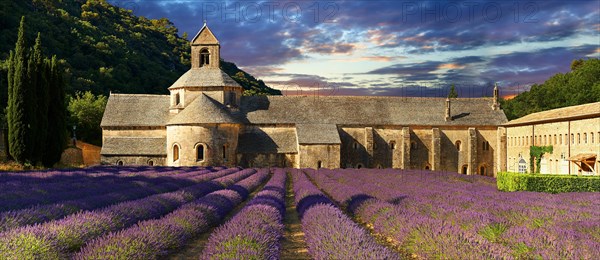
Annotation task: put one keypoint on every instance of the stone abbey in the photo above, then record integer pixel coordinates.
(206, 121)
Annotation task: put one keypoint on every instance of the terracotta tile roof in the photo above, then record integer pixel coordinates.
(282, 140)
(203, 110)
(317, 134)
(134, 146)
(136, 110)
(559, 114)
(205, 77)
(355, 110)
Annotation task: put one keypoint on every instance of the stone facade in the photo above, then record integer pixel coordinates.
(206, 121)
(571, 132)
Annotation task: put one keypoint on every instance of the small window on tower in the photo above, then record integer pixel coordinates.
(175, 152)
(200, 152)
(177, 99)
(204, 57)
(232, 99)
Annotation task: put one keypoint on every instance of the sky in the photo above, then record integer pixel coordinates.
(392, 48)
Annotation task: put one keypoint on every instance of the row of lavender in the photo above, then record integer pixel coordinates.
(256, 231)
(83, 201)
(156, 238)
(445, 215)
(19, 194)
(329, 233)
(61, 238)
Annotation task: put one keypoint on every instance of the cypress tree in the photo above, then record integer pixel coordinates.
(57, 115)
(39, 73)
(9, 84)
(452, 93)
(19, 115)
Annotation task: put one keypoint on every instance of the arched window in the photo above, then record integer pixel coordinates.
(151, 162)
(177, 99)
(457, 144)
(482, 170)
(200, 152)
(427, 167)
(355, 145)
(585, 138)
(578, 138)
(465, 169)
(379, 166)
(392, 145)
(522, 165)
(319, 165)
(175, 152)
(591, 138)
(120, 163)
(204, 57)
(358, 166)
(555, 139)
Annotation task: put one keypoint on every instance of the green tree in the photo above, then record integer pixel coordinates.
(579, 86)
(452, 93)
(86, 112)
(57, 115)
(3, 93)
(38, 75)
(19, 109)
(576, 63)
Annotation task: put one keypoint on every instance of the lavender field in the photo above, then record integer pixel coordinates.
(234, 213)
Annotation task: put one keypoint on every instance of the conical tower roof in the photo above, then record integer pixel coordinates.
(203, 110)
(205, 77)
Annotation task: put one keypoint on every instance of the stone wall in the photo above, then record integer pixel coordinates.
(568, 138)
(323, 155)
(215, 138)
(133, 160)
(283, 160)
(421, 147)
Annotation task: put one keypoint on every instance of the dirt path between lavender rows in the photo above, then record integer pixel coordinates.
(293, 245)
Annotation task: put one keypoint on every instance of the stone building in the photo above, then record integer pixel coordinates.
(206, 121)
(572, 132)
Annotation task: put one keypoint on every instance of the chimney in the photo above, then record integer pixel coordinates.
(448, 117)
(496, 105)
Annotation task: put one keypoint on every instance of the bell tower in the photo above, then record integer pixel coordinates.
(205, 49)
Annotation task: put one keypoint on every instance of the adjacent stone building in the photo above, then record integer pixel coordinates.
(572, 132)
(206, 121)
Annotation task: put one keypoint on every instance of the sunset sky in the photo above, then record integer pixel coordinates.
(392, 48)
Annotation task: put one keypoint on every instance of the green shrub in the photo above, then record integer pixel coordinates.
(509, 181)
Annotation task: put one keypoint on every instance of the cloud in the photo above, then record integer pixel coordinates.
(377, 31)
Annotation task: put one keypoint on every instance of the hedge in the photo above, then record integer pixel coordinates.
(509, 181)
